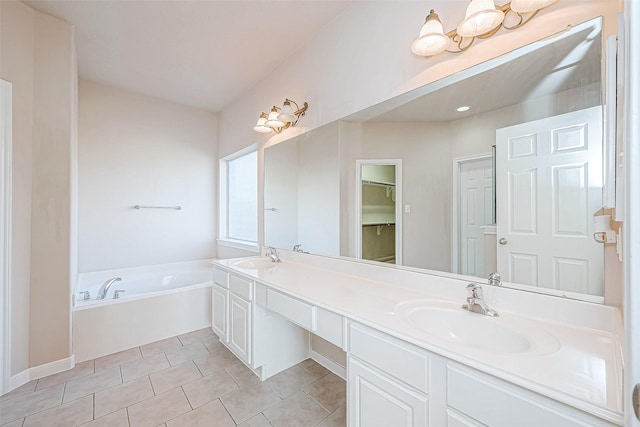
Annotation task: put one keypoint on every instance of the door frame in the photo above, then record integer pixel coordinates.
(455, 228)
(5, 233)
(358, 225)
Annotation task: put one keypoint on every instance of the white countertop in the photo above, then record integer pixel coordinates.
(583, 368)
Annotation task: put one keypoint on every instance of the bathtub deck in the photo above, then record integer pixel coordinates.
(177, 381)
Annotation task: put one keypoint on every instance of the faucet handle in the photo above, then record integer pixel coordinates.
(116, 294)
(85, 294)
(475, 289)
(494, 279)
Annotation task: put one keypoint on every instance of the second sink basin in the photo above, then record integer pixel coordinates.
(258, 263)
(447, 321)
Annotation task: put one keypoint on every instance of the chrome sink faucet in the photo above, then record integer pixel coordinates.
(273, 254)
(494, 279)
(475, 303)
(105, 287)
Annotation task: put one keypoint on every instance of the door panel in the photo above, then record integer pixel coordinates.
(548, 187)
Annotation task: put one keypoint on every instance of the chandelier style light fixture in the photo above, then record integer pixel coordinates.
(280, 119)
(482, 20)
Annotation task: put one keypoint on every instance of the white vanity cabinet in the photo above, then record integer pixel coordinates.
(220, 304)
(392, 382)
(240, 317)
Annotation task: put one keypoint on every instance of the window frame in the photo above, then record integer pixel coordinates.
(224, 239)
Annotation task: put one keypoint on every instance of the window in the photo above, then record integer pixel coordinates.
(239, 199)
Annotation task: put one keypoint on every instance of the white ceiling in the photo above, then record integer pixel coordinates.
(201, 53)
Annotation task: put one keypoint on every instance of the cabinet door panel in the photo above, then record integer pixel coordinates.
(377, 401)
(219, 315)
(240, 327)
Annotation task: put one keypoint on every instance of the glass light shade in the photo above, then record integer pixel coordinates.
(260, 126)
(286, 113)
(527, 6)
(481, 17)
(431, 40)
(272, 120)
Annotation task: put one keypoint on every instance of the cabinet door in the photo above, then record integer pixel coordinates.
(240, 327)
(376, 400)
(219, 315)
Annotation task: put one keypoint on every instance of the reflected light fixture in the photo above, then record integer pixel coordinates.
(280, 119)
(482, 20)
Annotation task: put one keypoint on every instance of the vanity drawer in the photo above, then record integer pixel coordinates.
(293, 309)
(221, 277)
(397, 358)
(493, 402)
(330, 326)
(241, 287)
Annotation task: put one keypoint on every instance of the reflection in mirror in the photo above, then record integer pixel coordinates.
(540, 106)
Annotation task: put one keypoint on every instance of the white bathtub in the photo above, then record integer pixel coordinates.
(158, 302)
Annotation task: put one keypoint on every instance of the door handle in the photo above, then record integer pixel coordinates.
(503, 241)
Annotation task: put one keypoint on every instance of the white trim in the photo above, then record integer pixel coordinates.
(399, 207)
(609, 122)
(239, 244)
(455, 226)
(42, 371)
(5, 233)
(631, 228)
(340, 371)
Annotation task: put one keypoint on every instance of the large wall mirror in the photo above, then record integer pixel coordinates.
(501, 171)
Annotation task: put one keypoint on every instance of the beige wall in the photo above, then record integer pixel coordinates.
(139, 150)
(16, 66)
(38, 58)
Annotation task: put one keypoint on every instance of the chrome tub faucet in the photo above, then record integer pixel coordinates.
(475, 302)
(105, 287)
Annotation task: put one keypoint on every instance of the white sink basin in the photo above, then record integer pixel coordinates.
(259, 263)
(447, 321)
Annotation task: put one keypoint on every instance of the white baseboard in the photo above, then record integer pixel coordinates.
(41, 371)
(340, 371)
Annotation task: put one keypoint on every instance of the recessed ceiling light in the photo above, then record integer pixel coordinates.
(463, 109)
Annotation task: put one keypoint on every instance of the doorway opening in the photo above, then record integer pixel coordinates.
(379, 210)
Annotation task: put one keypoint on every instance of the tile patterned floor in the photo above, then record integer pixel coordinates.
(187, 381)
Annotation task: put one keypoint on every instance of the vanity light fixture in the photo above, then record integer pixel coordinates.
(482, 20)
(280, 119)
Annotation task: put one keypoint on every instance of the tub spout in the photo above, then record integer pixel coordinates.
(102, 293)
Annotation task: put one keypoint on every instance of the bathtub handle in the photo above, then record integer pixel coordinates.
(117, 293)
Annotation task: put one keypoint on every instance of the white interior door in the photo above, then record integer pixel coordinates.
(548, 187)
(475, 195)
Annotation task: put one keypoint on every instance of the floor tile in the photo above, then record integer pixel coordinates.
(214, 363)
(290, 381)
(80, 370)
(208, 388)
(115, 419)
(160, 346)
(20, 407)
(213, 344)
(174, 377)
(91, 384)
(337, 419)
(186, 353)
(143, 367)
(243, 375)
(119, 358)
(121, 396)
(16, 423)
(159, 409)
(329, 391)
(194, 336)
(23, 390)
(298, 410)
(258, 421)
(211, 414)
(314, 368)
(243, 404)
(71, 414)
